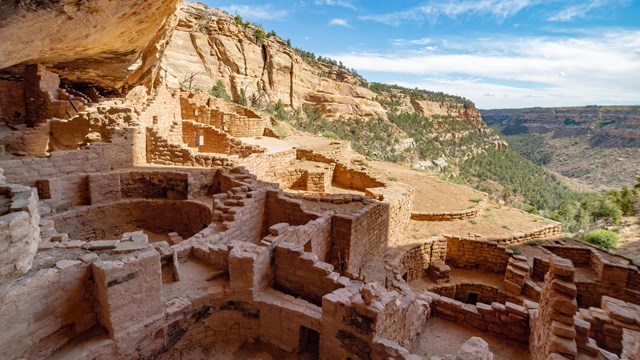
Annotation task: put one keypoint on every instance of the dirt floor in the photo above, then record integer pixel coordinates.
(272, 145)
(493, 221)
(441, 337)
(461, 276)
(432, 194)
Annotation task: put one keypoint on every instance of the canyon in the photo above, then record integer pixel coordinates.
(143, 218)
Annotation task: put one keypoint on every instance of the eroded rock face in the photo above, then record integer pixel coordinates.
(208, 45)
(94, 41)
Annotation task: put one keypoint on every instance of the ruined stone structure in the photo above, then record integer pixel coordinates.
(150, 226)
(138, 201)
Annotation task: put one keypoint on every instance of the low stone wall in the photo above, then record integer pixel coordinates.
(412, 261)
(236, 120)
(19, 229)
(110, 221)
(446, 216)
(482, 255)
(98, 157)
(43, 312)
(215, 141)
(28, 141)
(356, 318)
(507, 320)
(301, 274)
(349, 178)
(609, 321)
(519, 238)
(262, 165)
(314, 237)
(452, 215)
(484, 293)
(615, 275)
(160, 151)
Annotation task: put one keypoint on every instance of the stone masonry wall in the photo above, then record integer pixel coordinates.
(481, 255)
(12, 101)
(314, 236)
(412, 261)
(20, 231)
(356, 318)
(354, 179)
(116, 283)
(609, 322)
(302, 275)
(215, 141)
(262, 164)
(553, 332)
(507, 320)
(111, 220)
(98, 157)
(46, 310)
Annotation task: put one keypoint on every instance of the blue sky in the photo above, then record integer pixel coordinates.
(499, 54)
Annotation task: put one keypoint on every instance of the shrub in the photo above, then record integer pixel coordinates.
(281, 131)
(219, 91)
(601, 237)
(260, 35)
(516, 250)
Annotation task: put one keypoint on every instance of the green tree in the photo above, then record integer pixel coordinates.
(260, 35)
(601, 237)
(219, 91)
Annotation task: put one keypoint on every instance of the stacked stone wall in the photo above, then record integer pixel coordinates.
(357, 320)
(314, 236)
(262, 165)
(160, 151)
(485, 293)
(46, 310)
(477, 254)
(349, 178)
(215, 141)
(236, 120)
(20, 231)
(12, 101)
(412, 261)
(110, 221)
(303, 275)
(115, 283)
(507, 320)
(609, 321)
(98, 157)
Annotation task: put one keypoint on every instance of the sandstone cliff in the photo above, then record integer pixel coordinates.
(106, 44)
(208, 45)
(95, 42)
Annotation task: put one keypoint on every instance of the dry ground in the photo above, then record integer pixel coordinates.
(442, 337)
(494, 221)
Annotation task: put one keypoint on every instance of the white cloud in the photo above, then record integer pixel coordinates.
(341, 3)
(500, 9)
(522, 71)
(403, 42)
(256, 12)
(339, 22)
(583, 9)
